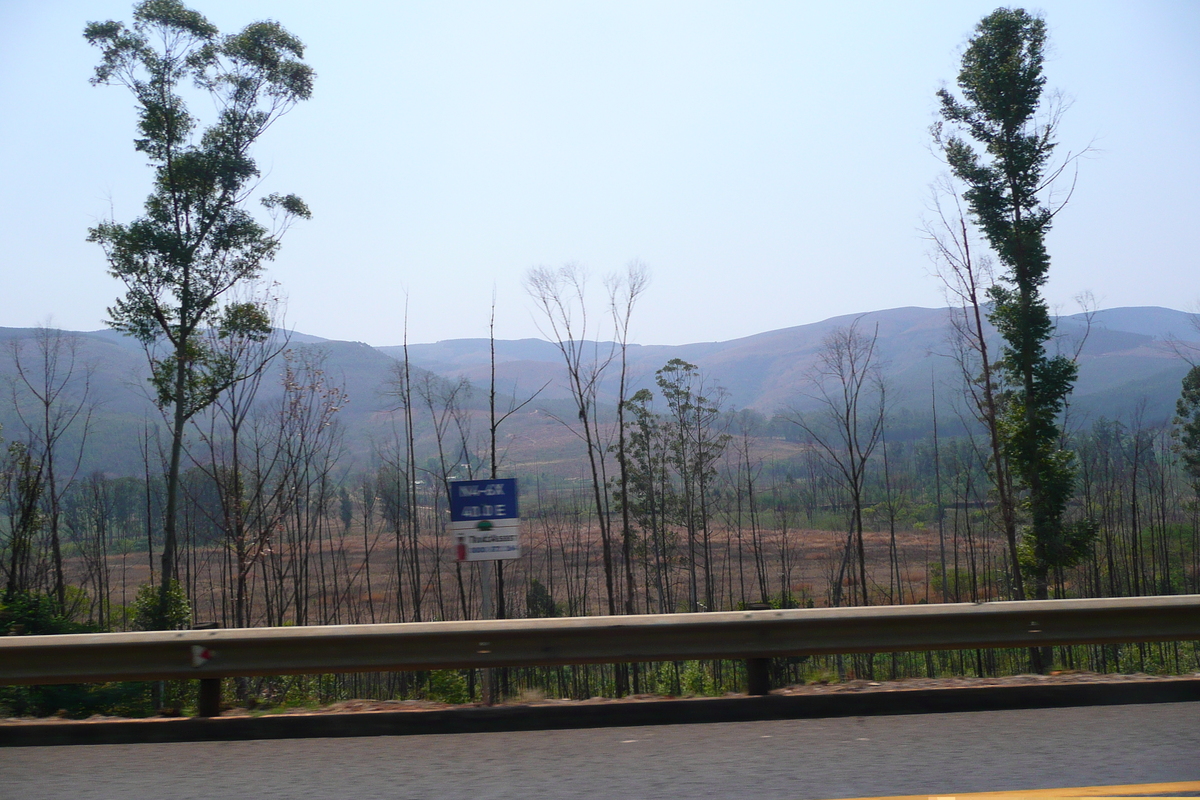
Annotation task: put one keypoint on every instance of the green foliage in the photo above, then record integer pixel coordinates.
(38, 614)
(1070, 545)
(32, 613)
(24, 485)
(392, 488)
(1001, 83)
(150, 613)
(1187, 421)
(447, 686)
(696, 678)
(695, 446)
(538, 602)
(692, 444)
(649, 491)
(822, 675)
(77, 700)
(195, 240)
(671, 467)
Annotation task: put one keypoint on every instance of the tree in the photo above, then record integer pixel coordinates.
(23, 485)
(58, 386)
(559, 295)
(244, 455)
(623, 294)
(1187, 418)
(694, 447)
(1007, 171)
(966, 282)
(196, 239)
(846, 431)
(645, 492)
(495, 420)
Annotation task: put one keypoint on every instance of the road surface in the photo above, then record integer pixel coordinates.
(935, 754)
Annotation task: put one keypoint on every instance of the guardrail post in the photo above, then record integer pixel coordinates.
(758, 670)
(209, 704)
(210, 697)
(758, 676)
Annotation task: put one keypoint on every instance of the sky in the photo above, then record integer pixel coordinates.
(768, 162)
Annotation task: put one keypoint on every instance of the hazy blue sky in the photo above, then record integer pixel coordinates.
(768, 161)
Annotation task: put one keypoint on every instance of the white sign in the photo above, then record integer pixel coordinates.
(487, 540)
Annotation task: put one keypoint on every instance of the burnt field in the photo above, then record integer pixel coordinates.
(368, 573)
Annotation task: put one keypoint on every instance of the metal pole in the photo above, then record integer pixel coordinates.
(485, 586)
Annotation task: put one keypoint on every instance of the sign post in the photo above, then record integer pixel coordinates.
(486, 524)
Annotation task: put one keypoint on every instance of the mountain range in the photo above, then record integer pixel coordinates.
(1131, 363)
(1126, 355)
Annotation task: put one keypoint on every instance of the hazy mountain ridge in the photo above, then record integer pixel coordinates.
(1124, 349)
(1128, 361)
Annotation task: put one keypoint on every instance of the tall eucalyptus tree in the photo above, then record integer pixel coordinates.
(999, 141)
(196, 239)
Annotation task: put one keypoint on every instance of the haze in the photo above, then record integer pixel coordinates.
(769, 162)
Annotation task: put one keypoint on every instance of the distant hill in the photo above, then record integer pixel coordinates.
(1128, 355)
(1129, 363)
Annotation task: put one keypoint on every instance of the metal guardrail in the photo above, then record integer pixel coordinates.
(751, 635)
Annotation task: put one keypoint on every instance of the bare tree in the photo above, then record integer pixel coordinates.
(444, 401)
(848, 385)
(966, 281)
(311, 445)
(495, 420)
(51, 393)
(560, 296)
(245, 465)
(623, 295)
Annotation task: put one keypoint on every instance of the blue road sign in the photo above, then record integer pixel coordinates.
(471, 501)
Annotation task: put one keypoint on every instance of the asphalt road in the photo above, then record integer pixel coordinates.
(825, 758)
